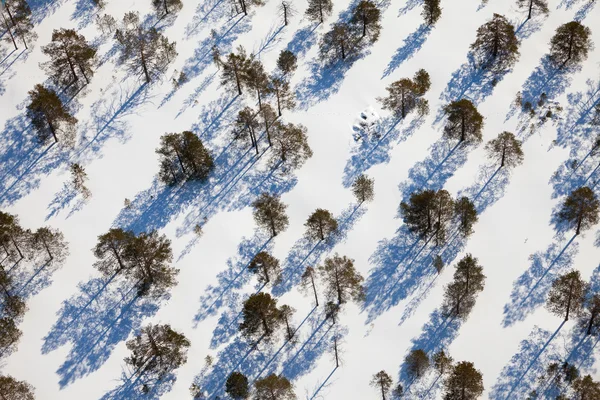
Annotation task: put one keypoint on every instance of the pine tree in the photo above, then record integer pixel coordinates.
(464, 122)
(567, 295)
(246, 125)
(70, 55)
(461, 293)
(431, 11)
(342, 281)
(246, 4)
(283, 93)
(9, 335)
(269, 118)
(12, 389)
(266, 268)
(287, 62)
(464, 383)
(320, 225)
(11, 234)
(405, 94)
(166, 7)
(590, 318)
(232, 73)
(256, 79)
(19, 15)
(531, 5)
(337, 43)
(496, 46)
(287, 9)
(274, 387)
(443, 212)
(365, 20)
(382, 381)
(363, 189)
(418, 212)
(261, 317)
(51, 242)
(111, 251)
(438, 263)
(580, 210)
(237, 386)
(307, 283)
(442, 362)
(146, 51)
(150, 255)
(398, 392)
(49, 116)
(286, 313)
(586, 388)
(570, 44)
(183, 156)
(269, 213)
(157, 350)
(417, 363)
(290, 146)
(78, 179)
(106, 23)
(506, 148)
(466, 213)
(318, 10)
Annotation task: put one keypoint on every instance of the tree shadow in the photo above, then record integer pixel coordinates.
(270, 41)
(518, 377)
(207, 14)
(530, 289)
(526, 28)
(143, 387)
(40, 9)
(85, 12)
(584, 10)
(63, 200)
(94, 321)
(303, 40)
(410, 4)
(412, 44)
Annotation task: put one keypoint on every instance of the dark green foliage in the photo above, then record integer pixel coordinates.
(274, 387)
(284, 95)
(9, 335)
(49, 117)
(465, 212)
(398, 392)
(12, 389)
(442, 362)
(70, 56)
(496, 47)
(286, 314)
(461, 293)
(417, 363)
(405, 94)
(580, 209)
(464, 122)
(530, 6)
(320, 225)
(586, 388)
(318, 10)
(269, 213)
(19, 17)
(49, 241)
(567, 295)
(290, 146)
(307, 284)
(590, 315)
(443, 212)
(342, 281)
(246, 126)
(12, 236)
(428, 211)
(237, 386)
(382, 381)
(570, 44)
(287, 62)
(232, 71)
(165, 7)
(265, 267)
(182, 157)
(261, 317)
(338, 43)
(157, 350)
(464, 383)
(78, 179)
(363, 189)
(111, 251)
(506, 149)
(438, 263)
(146, 51)
(431, 11)
(365, 20)
(256, 79)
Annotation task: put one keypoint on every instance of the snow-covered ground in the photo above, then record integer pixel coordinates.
(74, 334)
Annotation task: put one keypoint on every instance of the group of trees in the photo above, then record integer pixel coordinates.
(346, 38)
(271, 387)
(406, 95)
(143, 259)
(183, 157)
(460, 294)
(16, 18)
(462, 381)
(45, 244)
(565, 379)
(12, 389)
(430, 212)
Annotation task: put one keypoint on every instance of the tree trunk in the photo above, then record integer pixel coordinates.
(321, 233)
(145, 67)
(266, 273)
(462, 129)
(278, 102)
(591, 323)
(118, 257)
(237, 79)
(312, 281)
(530, 9)
(180, 161)
(335, 350)
(382, 391)
(343, 51)
(338, 286)
(321, 12)
(570, 48)
(265, 326)
(273, 230)
(9, 31)
(243, 4)
(364, 32)
(403, 106)
(285, 19)
(166, 8)
(16, 246)
(52, 130)
(287, 326)
(87, 80)
(503, 156)
(579, 222)
(71, 66)
(47, 249)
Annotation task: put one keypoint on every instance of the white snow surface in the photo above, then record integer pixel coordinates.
(116, 146)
